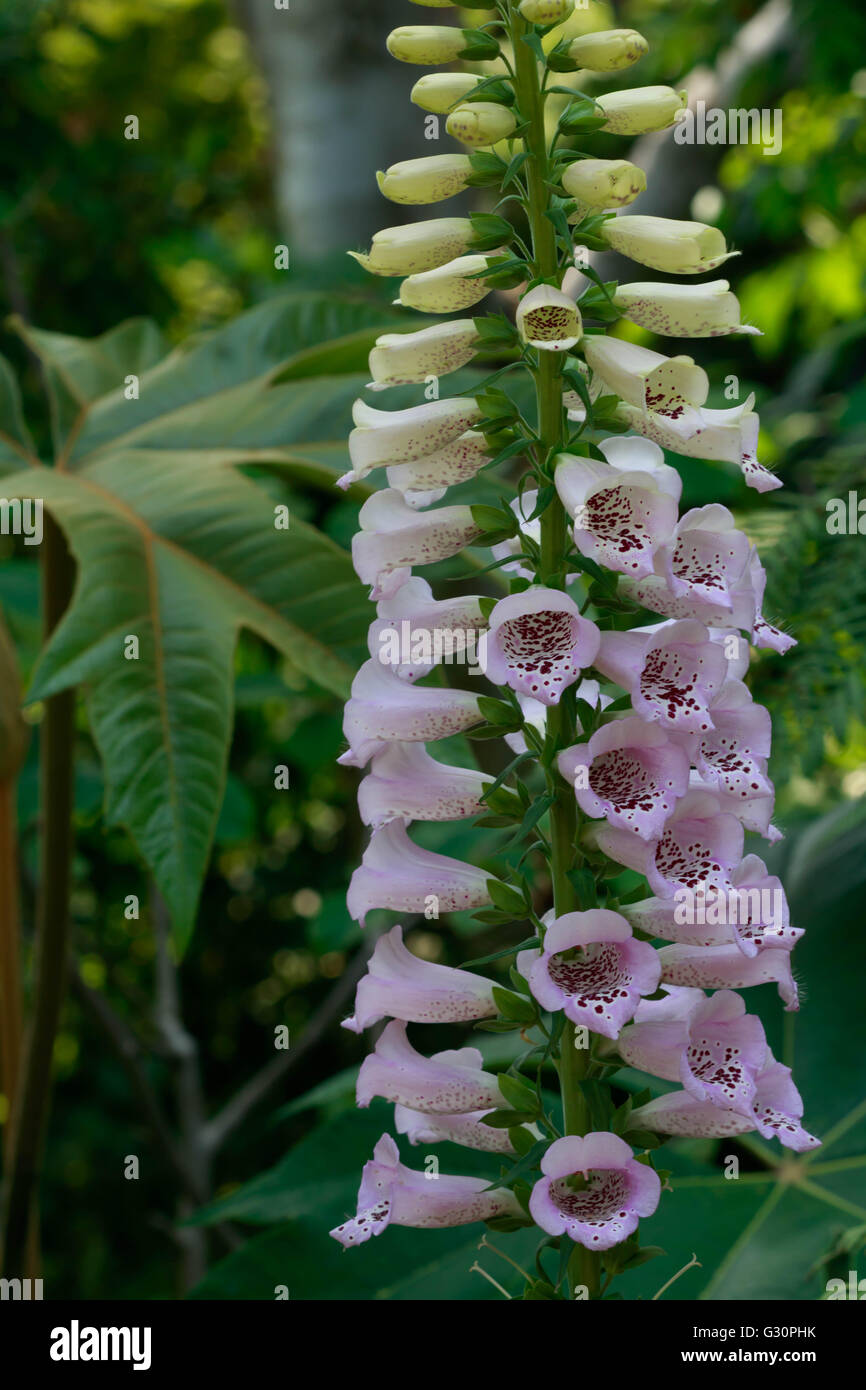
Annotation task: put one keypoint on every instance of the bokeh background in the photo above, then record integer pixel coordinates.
(260, 129)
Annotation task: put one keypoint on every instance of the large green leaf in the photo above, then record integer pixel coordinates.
(178, 549)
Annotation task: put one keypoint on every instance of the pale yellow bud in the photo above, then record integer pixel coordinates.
(641, 110)
(481, 123)
(426, 43)
(427, 180)
(440, 91)
(418, 246)
(679, 248)
(447, 289)
(545, 11)
(608, 51)
(604, 183)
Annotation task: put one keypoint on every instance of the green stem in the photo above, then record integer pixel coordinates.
(52, 922)
(584, 1266)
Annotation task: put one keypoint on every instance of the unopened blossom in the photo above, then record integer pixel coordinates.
(538, 643)
(416, 246)
(447, 289)
(383, 709)
(639, 110)
(549, 319)
(709, 1045)
(671, 672)
(623, 509)
(431, 179)
(609, 50)
(545, 11)
(752, 915)
(400, 359)
(392, 1194)
(647, 380)
(413, 632)
(439, 92)
(399, 984)
(612, 1193)
(777, 1111)
(663, 243)
(394, 537)
(709, 310)
(448, 1083)
(603, 183)
(405, 782)
(592, 968)
(425, 480)
(631, 773)
(466, 1130)
(480, 123)
(382, 437)
(697, 849)
(437, 43)
(726, 967)
(398, 875)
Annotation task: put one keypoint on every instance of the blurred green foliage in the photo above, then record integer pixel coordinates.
(180, 225)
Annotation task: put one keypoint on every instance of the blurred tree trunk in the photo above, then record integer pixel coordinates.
(340, 112)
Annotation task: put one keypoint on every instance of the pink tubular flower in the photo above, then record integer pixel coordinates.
(538, 643)
(711, 1046)
(709, 556)
(399, 875)
(604, 1210)
(405, 782)
(623, 510)
(392, 1194)
(413, 632)
(753, 915)
(455, 1129)
(384, 709)
(776, 1112)
(726, 967)
(671, 672)
(592, 968)
(400, 985)
(394, 536)
(448, 1083)
(704, 574)
(630, 772)
(697, 849)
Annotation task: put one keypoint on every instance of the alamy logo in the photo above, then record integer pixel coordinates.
(855, 1288)
(424, 646)
(22, 517)
(715, 126)
(20, 1290)
(77, 1343)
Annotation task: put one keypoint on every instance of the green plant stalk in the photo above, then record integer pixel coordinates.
(584, 1266)
(52, 923)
